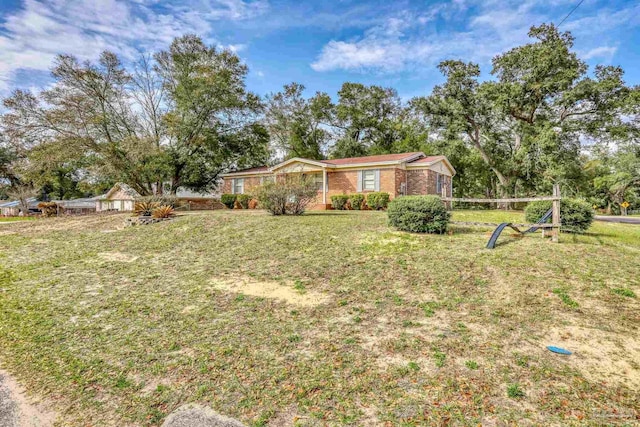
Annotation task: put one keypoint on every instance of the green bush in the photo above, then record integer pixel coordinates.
(356, 201)
(339, 202)
(243, 200)
(419, 214)
(575, 215)
(228, 200)
(377, 201)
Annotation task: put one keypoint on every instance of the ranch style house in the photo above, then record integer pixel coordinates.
(396, 174)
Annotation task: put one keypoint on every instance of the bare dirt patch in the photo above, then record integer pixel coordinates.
(117, 257)
(600, 356)
(27, 413)
(273, 290)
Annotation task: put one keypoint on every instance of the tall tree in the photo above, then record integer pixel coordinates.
(87, 112)
(527, 123)
(212, 120)
(368, 118)
(299, 127)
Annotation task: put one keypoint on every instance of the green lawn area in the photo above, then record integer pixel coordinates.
(331, 318)
(16, 218)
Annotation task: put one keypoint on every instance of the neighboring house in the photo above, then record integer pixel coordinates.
(121, 197)
(396, 174)
(191, 200)
(77, 206)
(12, 208)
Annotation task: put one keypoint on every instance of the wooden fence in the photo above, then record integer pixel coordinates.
(555, 207)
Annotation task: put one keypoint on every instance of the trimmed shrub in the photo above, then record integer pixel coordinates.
(339, 202)
(228, 200)
(377, 201)
(356, 201)
(419, 214)
(243, 200)
(289, 196)
(576, 215)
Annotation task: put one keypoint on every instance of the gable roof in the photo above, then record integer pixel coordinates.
(31, 202)
(126, 189)
(416, 159)
(382, 158)
(430, 160)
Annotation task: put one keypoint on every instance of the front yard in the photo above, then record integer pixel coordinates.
(331, 318)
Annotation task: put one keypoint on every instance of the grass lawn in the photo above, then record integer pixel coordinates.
(16, 218)
(331, 318)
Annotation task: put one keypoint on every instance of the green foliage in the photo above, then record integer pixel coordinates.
(339, 201)
(228, 200)
(575, 215)
(356, 201)
(564, 296)
(243, 200)
(289, 196)
(419, 214)
(378, 200)
(294, 123)
(514, 391)
(213, 119)
(625, 292)
(440, 358)
(471, 364)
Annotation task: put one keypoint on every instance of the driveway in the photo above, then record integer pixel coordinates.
(620, 219)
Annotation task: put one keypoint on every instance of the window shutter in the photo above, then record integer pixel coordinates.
(377, 181)
(359, 189)
(233, 186)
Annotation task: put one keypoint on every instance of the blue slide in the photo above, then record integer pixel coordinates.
(498, 230)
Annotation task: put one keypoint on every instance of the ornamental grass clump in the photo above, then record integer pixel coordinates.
(418, 214)
(164, 211)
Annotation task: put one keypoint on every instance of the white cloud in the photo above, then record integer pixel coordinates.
(470, 30)
(603, 52)
(31, 37)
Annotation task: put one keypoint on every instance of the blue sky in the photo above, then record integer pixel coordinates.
(318, 43)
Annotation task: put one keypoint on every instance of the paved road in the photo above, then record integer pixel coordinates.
(620, 219)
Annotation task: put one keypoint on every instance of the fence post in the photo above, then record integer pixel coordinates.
(555, 215)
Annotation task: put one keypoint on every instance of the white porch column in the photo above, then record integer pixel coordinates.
(324, 187)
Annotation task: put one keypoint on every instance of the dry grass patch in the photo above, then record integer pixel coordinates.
(272, 290)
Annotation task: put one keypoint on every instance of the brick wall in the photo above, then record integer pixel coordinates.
(424, 181)
(249, 184)
(421, 181)
(346, 182)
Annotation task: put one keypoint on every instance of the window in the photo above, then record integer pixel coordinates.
(265, 179)
(316, 178)
(439, 183)
(238, 186)
(369, 180)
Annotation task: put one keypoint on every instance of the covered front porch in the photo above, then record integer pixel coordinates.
(309, 169)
